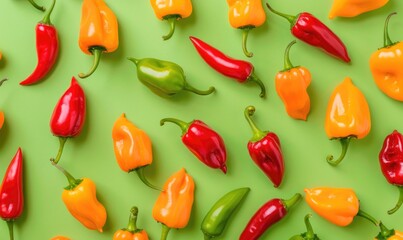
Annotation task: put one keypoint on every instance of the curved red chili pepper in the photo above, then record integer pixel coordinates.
(11, 192)
(240, 70)
(47, 48)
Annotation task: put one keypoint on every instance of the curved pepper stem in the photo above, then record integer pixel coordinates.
(165, 231)
(310, 234)
(254, 78)
(290, 18)
(3, 80)
(132, 225)
(72, 181)
(399, 202)
(183, 125)
(189, 88)
(10, 224)
(41, 8)
(386, 39)
(140, 174)
(97, 52)
(257, 133)
(368, 217)
(245, 34)
(172, 23)
(344, 146)
(46, 18)
(62, 141)
(287, 63)
(289, 203)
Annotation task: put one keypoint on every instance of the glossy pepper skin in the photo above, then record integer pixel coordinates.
(164, 78)
(98, 31)
(388, 234)
(246, 15)
(132, 147)
(352, 8)
(385, 65)
(347, 117)
(35, 5)
(68, 116)
(391, 162)
(205, 143)
(265, 150)
(267, 215)
(311, 30)
(47, 48)
(131, 232)
(60, 238)
(241, 71)
(171, 11)
(174, 204)
(291, 85)
(11, 192)
(309, 234)
(337, 205)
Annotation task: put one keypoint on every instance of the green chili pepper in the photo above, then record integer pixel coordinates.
(216, 219)
(164, 78)
(309, 234)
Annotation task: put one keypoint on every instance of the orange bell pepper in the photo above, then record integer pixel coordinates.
(386, 66)
(174, 204)
(171, 11)
(388, 234)
(246, 15)
(131, 232)
(352, 8)
(98, 31)
(347, 116)
(60, 238)
(291, 84)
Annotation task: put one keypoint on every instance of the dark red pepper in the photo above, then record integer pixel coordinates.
(11, 193)
(311, 30)
(265, 150)
(47, 48)
(240, 70)
(267, 215)
(206, 144)
(68, 116)
(391, 161)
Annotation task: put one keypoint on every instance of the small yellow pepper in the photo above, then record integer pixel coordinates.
(98, 31)
(352, 8)
(246, 15)
(60, 238)
(171, 11)
(174, 204)
(131, 232)
(388, 234)
(347, 116)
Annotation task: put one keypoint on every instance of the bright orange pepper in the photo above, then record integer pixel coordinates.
(174, 204)
(352, 8)
(347, 116)
(98, 31)
(171, 10)
(131, 232)
(1, 119)
(386, 66)
(291, 84)
(60, 238)
(388, 234)
(246, 15)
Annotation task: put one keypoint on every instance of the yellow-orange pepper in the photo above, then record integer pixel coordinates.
(133, 148)
(388, 234)
(337, 205)
(352, 8)
(171, 11)
(98, 31)
(347, 116)
(386, 66)
(291, 84)
(246, 15)
(131, 232)
(60, 238)
(174, 204)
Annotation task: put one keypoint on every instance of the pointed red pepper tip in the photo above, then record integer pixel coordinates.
(224, 169)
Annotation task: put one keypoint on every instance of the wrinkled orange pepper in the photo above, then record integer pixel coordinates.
(60, 238)
(246, 15)
(347, 116)
(291, 84)
(171, 11)
(352, 8)
(386, 66)
(98, 31)
(174, 204)
(388, 234)
(131, 232)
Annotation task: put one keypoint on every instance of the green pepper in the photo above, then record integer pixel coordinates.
(164, 78)
(309, 235)
(216, 219)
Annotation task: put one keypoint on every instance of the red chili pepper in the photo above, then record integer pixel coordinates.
(206, 144)
(240, 70)
(11, 193)
(311, 30)
(267, 215)
(391, 161)
(265, 150)
(47, 48)
(68, 116)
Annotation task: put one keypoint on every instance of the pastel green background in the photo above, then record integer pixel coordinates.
(114, 89)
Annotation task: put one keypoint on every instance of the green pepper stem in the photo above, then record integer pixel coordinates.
(386, 39)
(310, 234)
(62, 141)
(385, 232)
(368, 217)
(290, 18)
(172, 23)
(183, 125)
(132, 225)
(257, 133)
(399, 202)
(134, 60)
(287, 63)
(140, 174)
(292, 201)
(164, 232)
(46, 18)
(344, 146)
(72, 181)
(254, 78)
(3, 80)
(197, 91)
(41, 8)
(97, 52)
(245, 34)
(10, 224)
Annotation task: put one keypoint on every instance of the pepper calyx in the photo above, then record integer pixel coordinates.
(257, 133)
